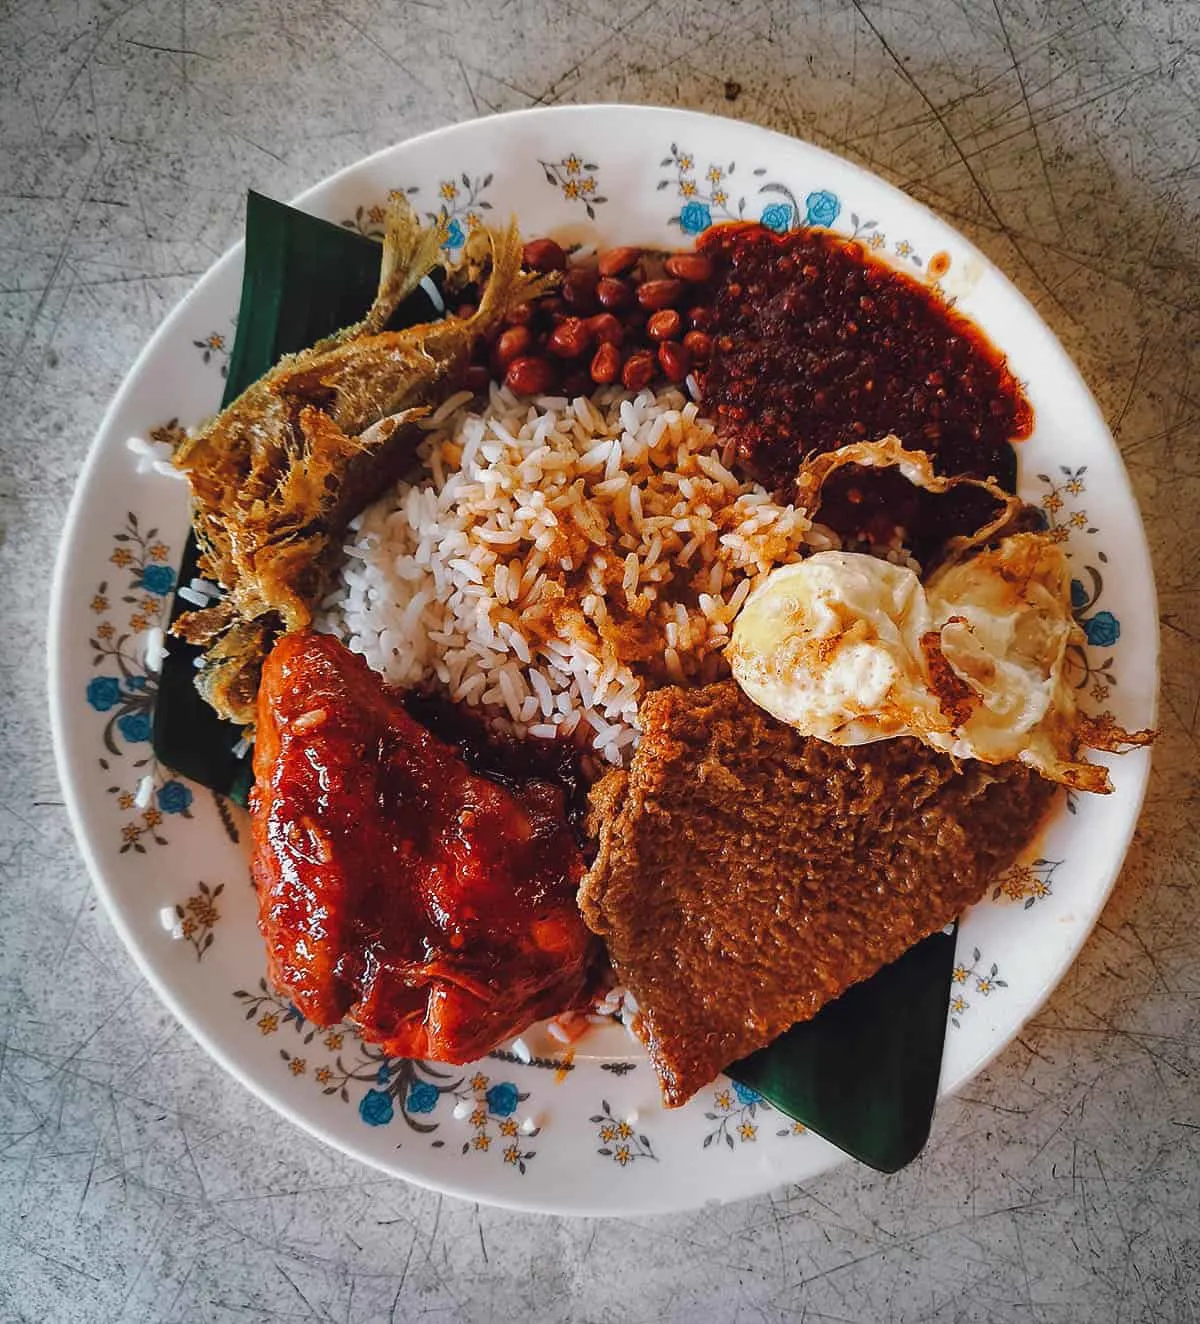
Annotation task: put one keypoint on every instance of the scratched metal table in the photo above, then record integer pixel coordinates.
(138, 1182)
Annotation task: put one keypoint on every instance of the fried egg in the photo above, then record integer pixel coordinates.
(852, 649)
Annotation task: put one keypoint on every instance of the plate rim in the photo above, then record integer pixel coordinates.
(1149, 649)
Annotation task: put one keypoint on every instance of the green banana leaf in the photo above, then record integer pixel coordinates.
(864, 1072)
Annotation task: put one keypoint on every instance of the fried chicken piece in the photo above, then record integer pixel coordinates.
(748, 875)
(432, 906)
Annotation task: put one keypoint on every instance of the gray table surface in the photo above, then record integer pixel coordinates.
(137, 1181)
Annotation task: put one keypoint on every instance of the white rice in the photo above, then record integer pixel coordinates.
(558, 557)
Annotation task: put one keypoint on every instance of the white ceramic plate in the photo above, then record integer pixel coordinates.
(588, 1135)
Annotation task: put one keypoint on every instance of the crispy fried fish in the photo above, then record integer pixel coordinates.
(277, 475)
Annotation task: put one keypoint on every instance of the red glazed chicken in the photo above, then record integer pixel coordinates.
(433, 907)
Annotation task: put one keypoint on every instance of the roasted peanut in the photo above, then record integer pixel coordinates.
(543, 255)
(617, 261)
(476, 378)
(579, 289)
(570, 339)
(655, 294)
(664, 324)
(675, 359)
(605, 329)
(638, 371)
(700, 317)
(606, 364)
(614, 293)
(529, 375)
(695, 268)
(514, 342)
(700, 344)
(519, 314)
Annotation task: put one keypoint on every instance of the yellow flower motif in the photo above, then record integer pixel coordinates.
(512, 1153)
(152, 818)
(158, 551)
(1075, 486)
(202, 908)
(479, 1117)
(799, 1129)
(333, 1039)
(1059, 533)
(1079, 519)
(1052, 501)
(903, 248)
(1099, 692)
(720, 197)
(1016, 883)
(377, 214)
(268, 1022)
(482, 1140)
(215, 341)
(188, 926)
(104, 630)
(297, 1066)
(474, 219)
(723, 1101)
(1039, 887)
(715, 173)
(572, 165)
(608, 1133)
(959, 974)
(624, 1130)
(449, 190)
(508, 1127)
(121, 557)
(748, 1131)
(138, 623)
(323, 1075)
(570, 188)
(125, 800)
(131, 832)
(150, 606)
(587, 185)
(622, 1154)
(687, 187)
(958, 1005)
(478, 1082)
(99, 603)
(983, 985)
(877, 240)
(685, 163)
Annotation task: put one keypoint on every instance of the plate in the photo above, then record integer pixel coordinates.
(583, 1134)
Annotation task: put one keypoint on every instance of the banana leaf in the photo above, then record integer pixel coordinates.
(864, 1072)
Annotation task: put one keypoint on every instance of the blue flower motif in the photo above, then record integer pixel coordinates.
(1078, 595)
(422, 1097)
(135, 727)
(455, 237)
(502, 1099)
(174, 797)
(158, 579)
(778, 217)
(822, 207)
(1102, 630)
(135, 682)
(375, 1108)
(103, 692)
(384, 1074)
(746, 1096)
(694, 217)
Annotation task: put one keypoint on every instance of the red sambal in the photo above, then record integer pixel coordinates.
(817, 343)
